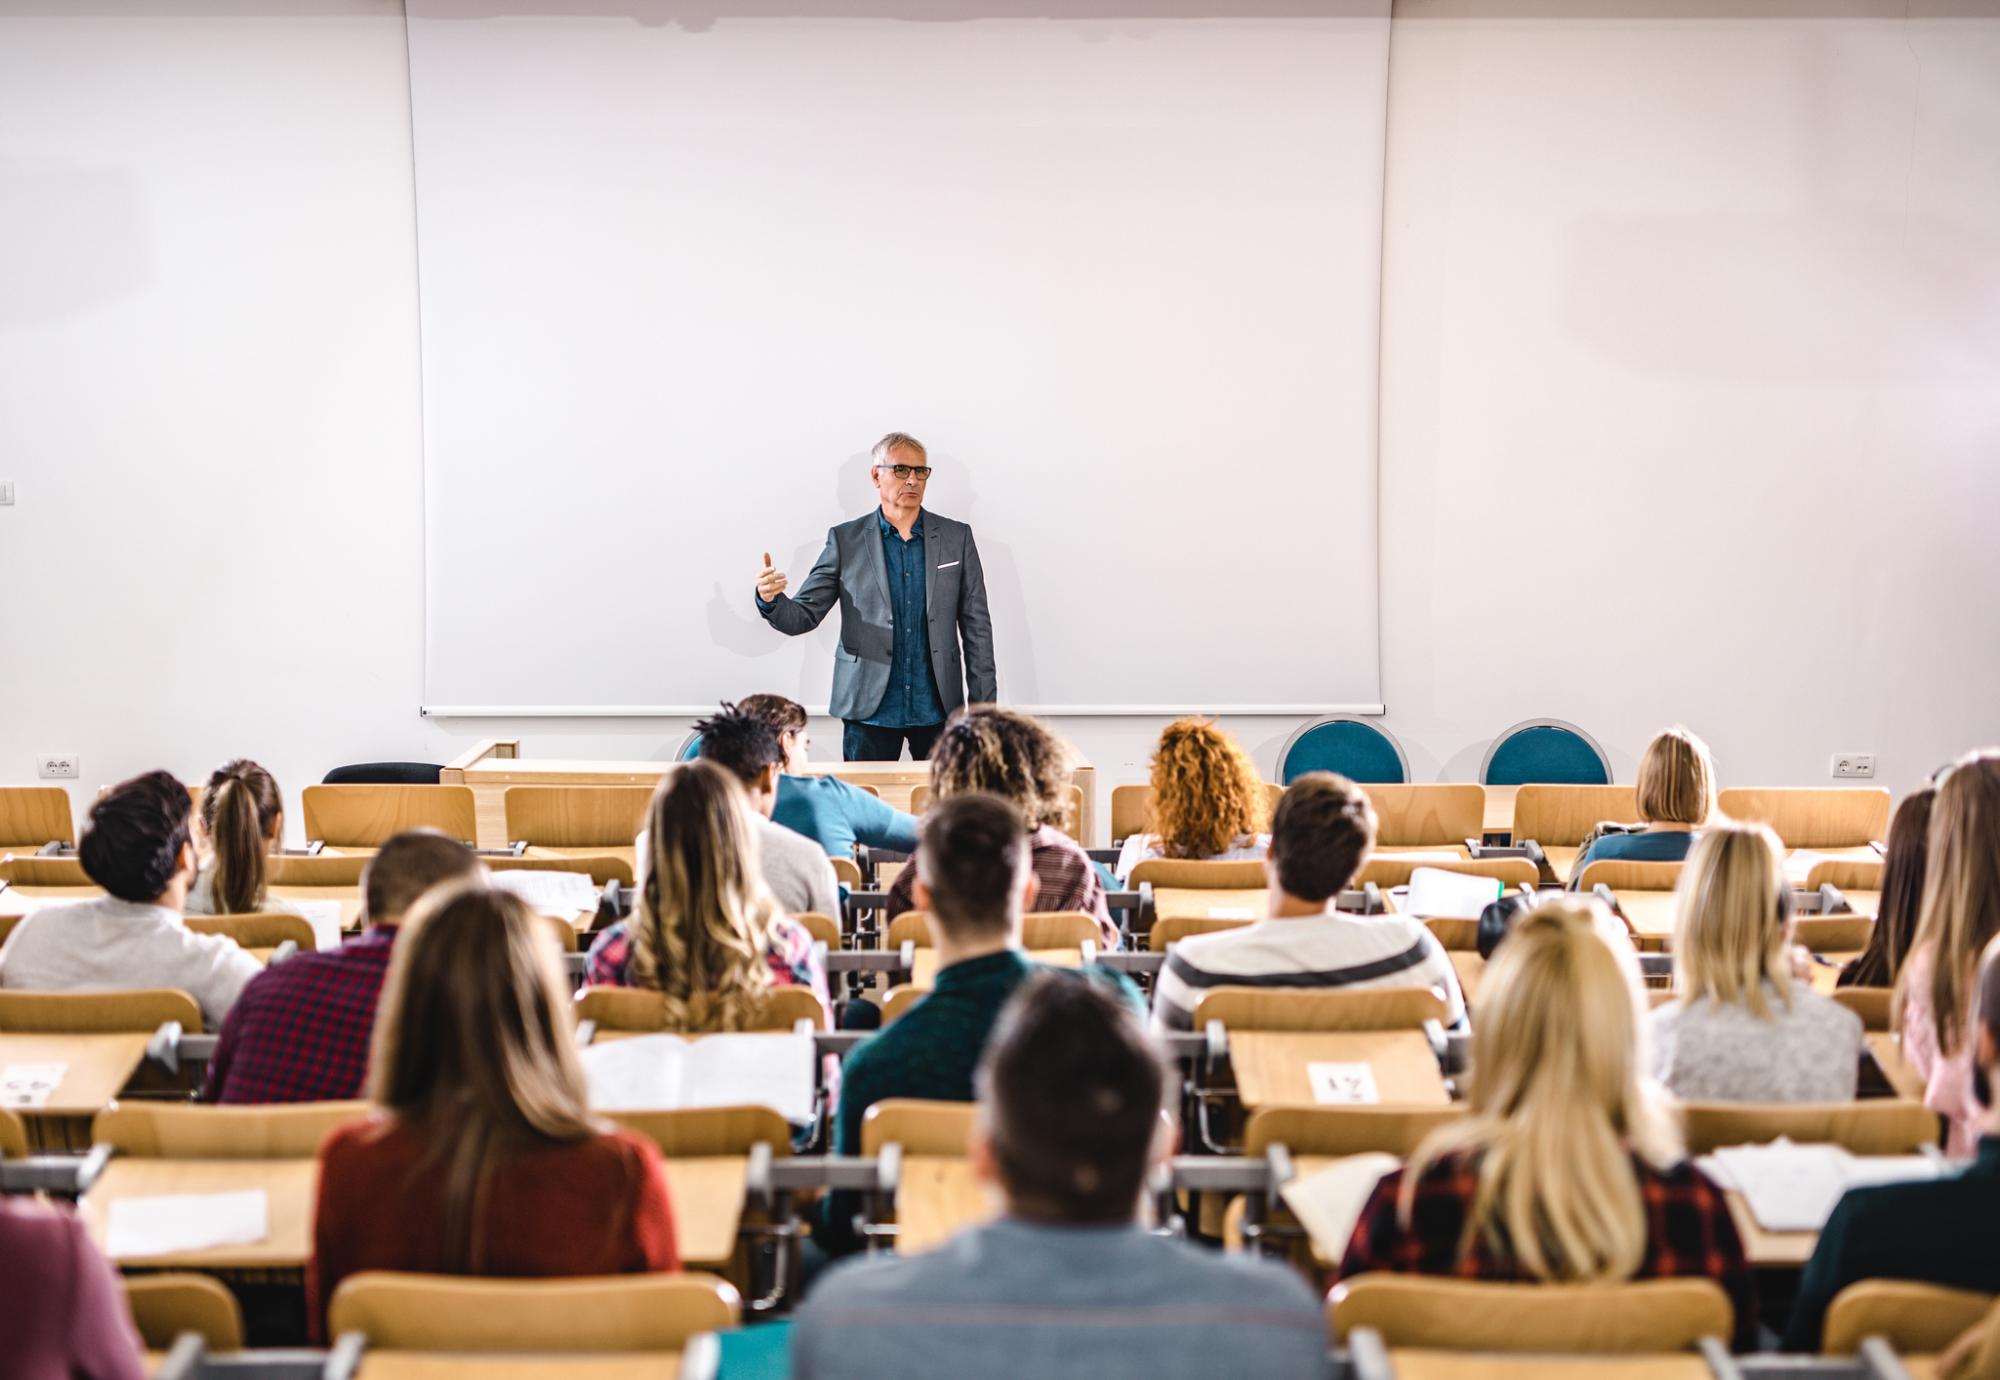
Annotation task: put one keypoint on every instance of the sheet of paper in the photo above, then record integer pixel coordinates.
(1343, 1085)
(1434, 855)
(1438, 894)
(324, 917)
(1792, 1187)
(29, 1085)
(771, 1069)
(642, 1074)
(1328, 1202)
(147, 1227)
(1799, 864)
(1232, 913)
(552, 893)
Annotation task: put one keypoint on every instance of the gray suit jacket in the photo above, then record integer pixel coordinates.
(852, 572)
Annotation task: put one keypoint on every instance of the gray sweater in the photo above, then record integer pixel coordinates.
(1809, 1052)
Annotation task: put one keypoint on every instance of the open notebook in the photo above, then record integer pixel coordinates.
(652, 1073)
(1791, 1187)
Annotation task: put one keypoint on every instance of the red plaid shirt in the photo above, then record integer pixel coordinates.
(300, 1031)
(1065, 879)
(1688, 1233)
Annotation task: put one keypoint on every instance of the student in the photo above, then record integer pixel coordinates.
(1902, 894)
(1959, 917)
(1320, 836)
(1563, 1171)
(794, 867)
(1074, 1114)
(135, 845)
(242, 824)
(833, 813)
(300, 1031)
(62, 1312)
(974, 879)
(1742, 1027)
(1919, 1231)
(1676, 793)
(1207, 802)
(483, 1158)
(706, 934)
(987, 748)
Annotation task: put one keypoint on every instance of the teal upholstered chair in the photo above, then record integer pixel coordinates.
(1355, 748)
(1545, 752)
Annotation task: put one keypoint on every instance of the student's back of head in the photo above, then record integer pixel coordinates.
(1206, 792)
(1556, 1105)
(1732, 919)
(1676, 780)
(1008, 754)
(704, 916)
(473, 1046)
(742, 743)
(243, 817)
(1321, 833)
(973, 868)
(410, 864)
(1961, 906)
(1071, 1097)
(135, 840)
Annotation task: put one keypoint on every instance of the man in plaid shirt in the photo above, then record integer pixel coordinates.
(300, 1031)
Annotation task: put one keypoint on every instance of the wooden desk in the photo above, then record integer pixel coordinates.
(497, 764)
(1824, 979)
(1769, 1249)
(1652, 917)
(707, 1195)
(1470, 967)
(1562, 859)
(348, 898)
(937, 1197)
(1270, 1065)
(20, 900)
(290, 1186)
(424, 1365)
(97, 1068)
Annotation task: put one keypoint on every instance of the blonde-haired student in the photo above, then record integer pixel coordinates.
(1742, 1027)
(1676, 795)
(1565, 1170)
(1959, 917)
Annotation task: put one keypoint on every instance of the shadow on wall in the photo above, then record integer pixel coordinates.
(74, 240)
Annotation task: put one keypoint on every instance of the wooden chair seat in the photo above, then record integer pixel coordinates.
(1918, 1318)
(166, 1305)
(1644, 1316)
(138, 1011)
(1878, 1126)
(455, 1313)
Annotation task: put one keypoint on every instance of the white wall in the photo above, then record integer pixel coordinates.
(1738, 281)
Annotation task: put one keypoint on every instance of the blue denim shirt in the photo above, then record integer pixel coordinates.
(911, 701)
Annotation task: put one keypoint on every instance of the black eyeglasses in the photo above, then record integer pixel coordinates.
(906, 471)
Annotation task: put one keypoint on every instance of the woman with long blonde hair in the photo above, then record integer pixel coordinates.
(1742, 1027)
(1959, 916)
(483, 1157)
(1207, 802)
(705, 934)
(1563, 1171)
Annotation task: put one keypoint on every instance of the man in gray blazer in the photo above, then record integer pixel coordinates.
(911, 593)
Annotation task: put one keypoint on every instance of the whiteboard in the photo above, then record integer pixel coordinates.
(679, 271)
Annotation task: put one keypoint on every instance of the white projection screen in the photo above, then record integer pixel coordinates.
(1118, 265)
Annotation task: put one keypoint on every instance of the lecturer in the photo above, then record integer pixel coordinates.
(910, 591)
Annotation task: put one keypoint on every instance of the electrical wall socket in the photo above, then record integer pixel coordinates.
(6, 493)
(58, 766)
(1853, 764)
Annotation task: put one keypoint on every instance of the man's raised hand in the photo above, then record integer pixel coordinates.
(770, 584)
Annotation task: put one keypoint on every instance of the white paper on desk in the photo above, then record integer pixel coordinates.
(665, 1073)
(29, 1085)
(1436, 894)
(1343, 1085)
(1791, 1187)
(1435, 855)
(1232, 913)
(324, 917)
(552, 893)
(145, 1227)
(1799, 864)
(1328, 1203)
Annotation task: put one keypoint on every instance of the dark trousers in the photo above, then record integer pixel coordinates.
(867, 743)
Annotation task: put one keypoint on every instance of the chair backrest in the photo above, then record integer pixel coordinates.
(576, 816)
(1833, 934)
(823, 928)
(599, 867)
(1357, 749)
(920, 799)
(321, 870)
(31, 816)
(1872, 1004)
(616, 1313)
(184, 1131)
(1920, 1319)
(689, 749)
(1652, 1315)
(1427, 815)
(263, 930)
(920, 1126)
(45, 872)
(1878, 1126)
(385, 774)
(695, 1132)
(848, 871)
(900, 1000)
(1545, 750)
(1560, 816)
(369, 816)
(13, 1136)
(1059, 929)
(1241, 874)
(1849, 874)
(7, 923)
(639, 1008)
(1622, 874)
(1268, 1008)
(1174, 928)
(908, 928)
(1387, 870)
(1813, 816)
(1130, 804)
(139, 1011)
(1340, 1131)
(164, 1306)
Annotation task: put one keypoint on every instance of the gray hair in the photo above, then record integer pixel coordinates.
(898, 438)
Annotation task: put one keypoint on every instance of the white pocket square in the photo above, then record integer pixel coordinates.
(948, 565)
